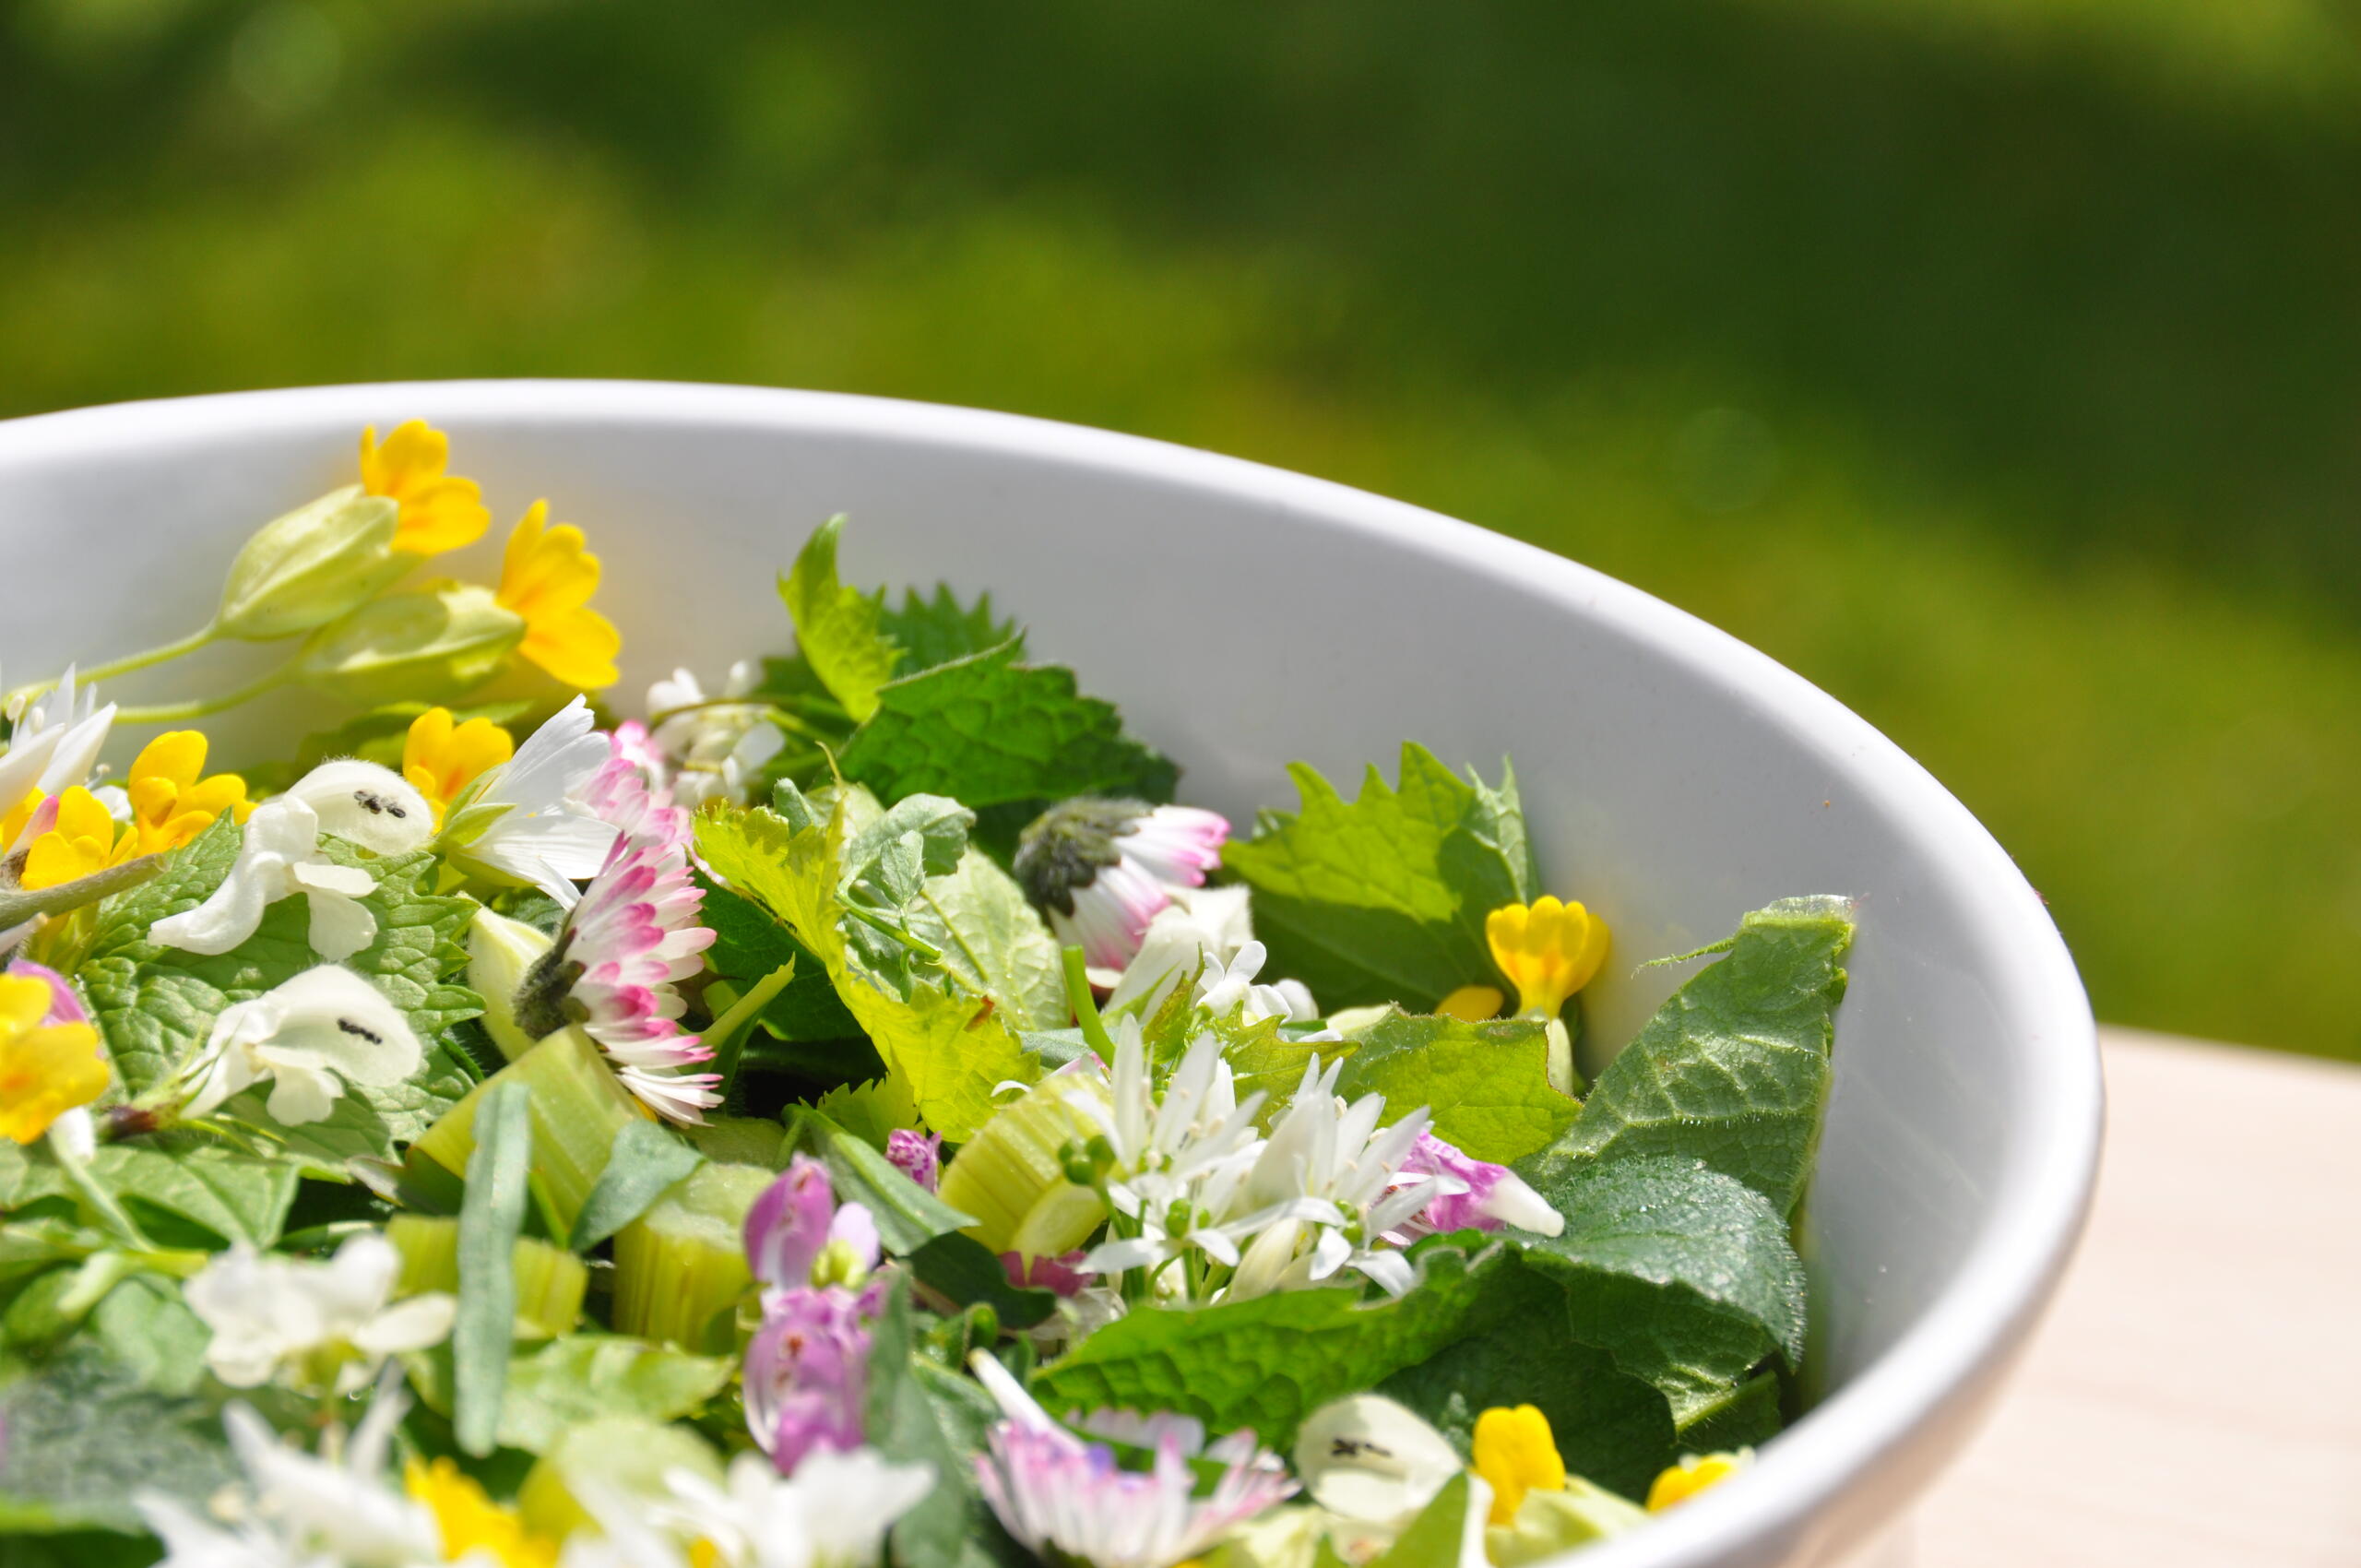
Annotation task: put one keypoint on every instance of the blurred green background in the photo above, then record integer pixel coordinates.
(1997, 363)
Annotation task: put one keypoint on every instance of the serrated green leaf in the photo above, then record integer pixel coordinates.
(936, 630)
(1745, 1417)
(945, 1045)
(84, 1436)
(367, 1121)
(990, 731)
(1383, 898)
(1683, 1275)
(491, 1217)
(1269, 1361)
(994, 941)
(146, 1326)
(1734, 1069)
(749, 945)
(836, 628)
(644, 1163)
(1488, 1084)
(872, 1111)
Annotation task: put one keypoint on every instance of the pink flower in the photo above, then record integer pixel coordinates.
(919, 1159)
(796, 1219)
(65, 1001)
(1466, 1195)
(807, 1374)
(1064, 1275)
(1101, 869)
(1066, 1499)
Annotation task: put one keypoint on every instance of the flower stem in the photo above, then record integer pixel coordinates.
(1086, 1007)
(129, 662)
(198, 708)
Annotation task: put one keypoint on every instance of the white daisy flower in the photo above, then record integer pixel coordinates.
(525, 822)
(706, 747)
(1101, 871)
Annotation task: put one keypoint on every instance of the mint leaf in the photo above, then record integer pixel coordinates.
(992, 731)
(1488, 1084)
(936, 630)
(1610, 1427)
(836, 627)
(1383, 898)
(993, 941)
(1269, 1361)
(1683, 1275)
(1733, 1069)
(84, 1436)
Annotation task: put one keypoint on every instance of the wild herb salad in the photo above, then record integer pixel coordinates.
(849, 1115)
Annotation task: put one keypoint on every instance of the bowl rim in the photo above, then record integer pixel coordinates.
(1890, 1423)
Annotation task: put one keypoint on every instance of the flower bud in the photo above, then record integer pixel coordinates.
(318, 562)
(422, 646)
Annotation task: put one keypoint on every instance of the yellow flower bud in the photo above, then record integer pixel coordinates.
(1680, 1482)
(312, 566)
(1471, 1003)
(1514, 1451)
(435, 642)
(1548, 951)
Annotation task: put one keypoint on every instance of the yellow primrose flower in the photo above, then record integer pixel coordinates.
(441, 759)
(1515, 1454)
(547, 578)
(439, 511)
(470, 1522)
(15, 822)
(45, 1069)
(82, 842)
(171, 802)
(1471, 1003)
(1680, 1482)
(1548, 951)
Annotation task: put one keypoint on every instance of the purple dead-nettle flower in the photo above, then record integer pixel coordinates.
(919, 1159)
(1066, 1499)
(1464, 1193)
(807, 1366)
(798, 1236)
(1102, 870)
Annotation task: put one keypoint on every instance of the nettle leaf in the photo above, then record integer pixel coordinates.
(994, 941)
(1269, 1361)
(938, 630)
(945, 1044)
(1734, 1069)
(836, 628)
(1744, 1417)
(1488, 1084)
(84, 1436)
(1383, 898)
(993, 731)
(1683, 1275)
(235, 1196)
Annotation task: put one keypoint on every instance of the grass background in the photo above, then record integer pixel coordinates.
(1997, 363)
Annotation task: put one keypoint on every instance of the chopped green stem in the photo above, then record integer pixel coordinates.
(726, 1034)
(198, 708)
(1086, 1007)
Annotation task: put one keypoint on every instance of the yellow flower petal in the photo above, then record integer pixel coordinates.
(439, 511)
(176, 757)
(81, 842)
(1680, 1482)
(45, 1069)
(1471, 1003)
(1513, 1452)
(171, 802)
(470, 1522)
(440, 759)
(548, 578)
(1547, 949)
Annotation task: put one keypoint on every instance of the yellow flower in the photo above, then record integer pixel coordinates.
(1515, 1453)
(45, 1069)
(1471, 1003)
(470, 1522)
(441, 759)
(1680, 1482)
(170, 803)
(439, 511)
(82, 840)
(1548, 951)
(548, 578)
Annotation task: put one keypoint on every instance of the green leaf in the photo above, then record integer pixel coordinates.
(147, 1328)
(936, 630)
(908, 1215)
(645, 1162)
(749, 945)
(1609, 1426)
(1383, 898)
(1683, 1275)
(966, 1271)
(366, 1121)
(576, 1378)
(1744, 1417)
(1733, 1069)
(993, 941)
(1269, 1361)
(990, 731)
(908, 1420)
(84, 1436)
(1437, 1538)
(236, 1197)
(1488, 1084)
(872, 1111)
(945, 1046)
(490, 1219)
(836, 627)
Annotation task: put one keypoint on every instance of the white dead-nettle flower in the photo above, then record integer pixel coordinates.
(310, 1037)
(280, 856)
(525, 822)
(314, 1325)
(1368, 1459)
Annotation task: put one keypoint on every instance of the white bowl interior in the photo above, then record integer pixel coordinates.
(1244, 618)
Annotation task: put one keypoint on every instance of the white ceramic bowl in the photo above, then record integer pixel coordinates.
(1244, 617)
